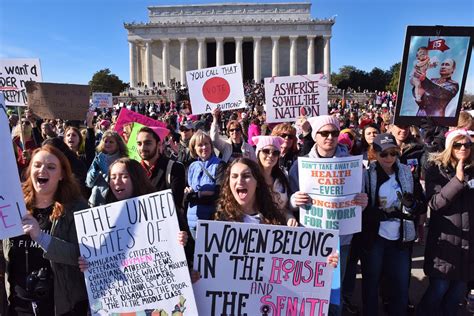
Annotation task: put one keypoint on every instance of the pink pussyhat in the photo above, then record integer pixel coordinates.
(263, 141)
(160, 131)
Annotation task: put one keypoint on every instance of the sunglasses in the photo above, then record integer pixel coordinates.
(326, 134)
(269, 152)
(235, 130)
(289, 136)
(391, 153)
(25, 122)
(467, 145)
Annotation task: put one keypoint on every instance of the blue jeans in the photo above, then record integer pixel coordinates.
(387, 256)
(441, 297)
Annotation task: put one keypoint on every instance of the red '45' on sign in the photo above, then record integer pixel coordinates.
(216, 90)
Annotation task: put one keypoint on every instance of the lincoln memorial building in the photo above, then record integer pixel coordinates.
(273, 39)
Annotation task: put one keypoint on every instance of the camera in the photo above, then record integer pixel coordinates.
(38, 284)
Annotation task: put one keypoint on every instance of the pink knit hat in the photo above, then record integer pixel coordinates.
(160, 131)
(319, 121)
(263, 141)
(452, 134)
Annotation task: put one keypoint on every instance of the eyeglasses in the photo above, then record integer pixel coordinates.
(467, 145)
(269, 152)
(391, 153)
(289, 136)
(326, 134)
(237, 130)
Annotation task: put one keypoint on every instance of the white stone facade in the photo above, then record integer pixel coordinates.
(280, 39)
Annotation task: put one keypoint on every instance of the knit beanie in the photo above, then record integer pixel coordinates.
(263, 141)
(319, 121)
(454, 133)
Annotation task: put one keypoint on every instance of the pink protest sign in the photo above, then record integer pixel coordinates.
(127, 116)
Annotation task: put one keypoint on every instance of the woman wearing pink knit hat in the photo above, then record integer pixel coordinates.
(268, 153)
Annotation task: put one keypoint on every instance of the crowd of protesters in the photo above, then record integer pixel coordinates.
(215, 163)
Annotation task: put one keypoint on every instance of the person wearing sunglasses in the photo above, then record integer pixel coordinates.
(235, 146)
(325, 131)
(268, 153)
(388, 226)
(450, 242)
(289, 147)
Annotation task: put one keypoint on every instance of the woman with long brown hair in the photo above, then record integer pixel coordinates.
(49, 248)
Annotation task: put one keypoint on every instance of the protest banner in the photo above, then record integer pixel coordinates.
(12, 204)
(102, 100)
(287, 98)
(58, 100)
(249, 269)
(433, 74)
(135, 261)
(132, 142)
(220, 86)
(332, 184)
(14, 73)
(126, 116)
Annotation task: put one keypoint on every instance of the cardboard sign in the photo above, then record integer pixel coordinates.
(249, 269)
(58, 100)
(135, 261)
(220, 87)
(12, 204)
(287, 98)
(332, 184)
(433, 74)
(132, 142)
(14, 73)
(127, 116)
(102, 100)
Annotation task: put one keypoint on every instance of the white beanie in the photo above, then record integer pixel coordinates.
(319, 121)
(454, 133)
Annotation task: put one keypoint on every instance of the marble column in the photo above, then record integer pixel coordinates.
(293, 61)
(166, 64)
(275, 56)
(327, 57)
(148, 64)
(133, 63)
(310, 54)
(238, 50)
(182, 60)
(257, 71)
(201, 52)
(219, 51)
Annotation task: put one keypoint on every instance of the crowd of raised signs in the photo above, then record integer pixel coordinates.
(220, 159)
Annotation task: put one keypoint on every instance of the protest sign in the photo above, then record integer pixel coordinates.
(332, 184)
(220, 87)
(249, 269)
(287, 98)
(132, 142)
(58, 100)
(126, 116)
(433, 74)
(14, 73)
(12, 204)
(102, 100)
(135, 262)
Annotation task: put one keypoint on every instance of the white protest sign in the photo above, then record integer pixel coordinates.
(220, 86)
(135, 261)
(287, 98)
(12, 204)
(13, 75)
(332, 184)
(102, 100)
(249, 269)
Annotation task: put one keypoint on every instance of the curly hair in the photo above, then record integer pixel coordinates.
(122, 147)
(68, 189)
(229, 210)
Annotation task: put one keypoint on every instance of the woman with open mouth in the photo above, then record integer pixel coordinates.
(111, 148)
(49, 248)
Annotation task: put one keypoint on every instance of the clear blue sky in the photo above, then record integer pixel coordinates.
(76, 38)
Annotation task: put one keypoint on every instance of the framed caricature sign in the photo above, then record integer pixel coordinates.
(433, 74)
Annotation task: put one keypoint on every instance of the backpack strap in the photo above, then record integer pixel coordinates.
(168, 172)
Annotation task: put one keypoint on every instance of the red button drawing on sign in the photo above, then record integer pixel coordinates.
(216, 90)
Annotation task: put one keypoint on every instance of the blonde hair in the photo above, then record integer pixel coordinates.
(122, 148)
(465, 121)
(445, 158)
(198, 137)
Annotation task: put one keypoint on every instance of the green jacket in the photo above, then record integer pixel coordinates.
(63, 252)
